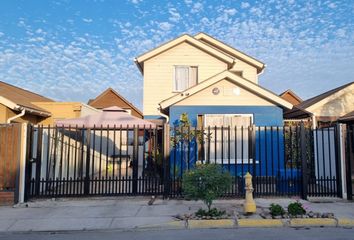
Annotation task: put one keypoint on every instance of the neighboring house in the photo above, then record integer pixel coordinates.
(325, 108)
(64, 110)
(291, 97)
(16, 105)
(110, 98)
(20, 105)
(211, 81)
(347, 118)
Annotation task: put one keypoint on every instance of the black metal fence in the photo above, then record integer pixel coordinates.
(283, 160)
(349, 162)
(78, 161)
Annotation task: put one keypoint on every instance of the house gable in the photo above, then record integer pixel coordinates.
(159, 72)
(337, 105)
(291, 97)
(111, 98)
(225, 93)
(184, 38)
(239, 81)
(203, 37)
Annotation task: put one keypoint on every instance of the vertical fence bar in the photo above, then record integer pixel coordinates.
(38, 159)
(166, 160)
(87, 172)
(209, 138)
(349, 158)
(337, 139)
(304, 162)
(136, 159)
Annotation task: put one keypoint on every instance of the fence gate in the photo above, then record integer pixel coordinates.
(9, 160)
(349, 149)
(79, 161)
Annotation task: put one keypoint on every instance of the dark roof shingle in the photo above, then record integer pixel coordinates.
(22, 97)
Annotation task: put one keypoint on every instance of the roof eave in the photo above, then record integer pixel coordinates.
(225, 75)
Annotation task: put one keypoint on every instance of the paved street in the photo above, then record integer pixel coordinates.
(219, 234)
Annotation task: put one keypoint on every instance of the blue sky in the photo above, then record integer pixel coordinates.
(73, 50)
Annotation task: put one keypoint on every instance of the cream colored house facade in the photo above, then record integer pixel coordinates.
(201, 76)
(64, 110)
(325, 108)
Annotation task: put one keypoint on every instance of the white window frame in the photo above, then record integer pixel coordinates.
(174, 76)
(225, 160)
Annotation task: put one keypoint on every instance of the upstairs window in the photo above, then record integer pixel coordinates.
(185, 77)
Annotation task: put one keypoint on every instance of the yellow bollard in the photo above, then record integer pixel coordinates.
(249, 205)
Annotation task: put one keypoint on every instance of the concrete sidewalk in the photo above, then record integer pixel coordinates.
(130, 213)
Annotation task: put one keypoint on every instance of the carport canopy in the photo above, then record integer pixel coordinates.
(109, 118)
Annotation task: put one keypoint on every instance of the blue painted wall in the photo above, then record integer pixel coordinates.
(262, 115)
(153, 117)
(269, 144)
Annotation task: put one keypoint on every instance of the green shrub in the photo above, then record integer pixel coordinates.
(212, 213)
(276, 210)
(296, 208)
(206, 182)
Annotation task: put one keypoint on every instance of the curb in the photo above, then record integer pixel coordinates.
(260, 223)
(168, 225)
(220, 223)
(345, 222)
(253, 223)
(313, 222)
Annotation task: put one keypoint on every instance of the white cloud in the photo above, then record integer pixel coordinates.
(332, 5)
(165, 26)
(135, 1)
(197, 7)
(2, 34)
(245, 5)
(231, 11)
(87, 20)
(175, 16)
(340, 33)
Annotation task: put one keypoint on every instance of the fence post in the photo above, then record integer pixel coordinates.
(135, 162)
(303, 162)
(337, 147)
(38, 160)
(349, 158)
(87, 172)
(166, 159)
(28, 163)
(21, 170)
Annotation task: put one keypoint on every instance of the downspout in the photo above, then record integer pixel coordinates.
(164, 115)
(262, 71)
(17, 116)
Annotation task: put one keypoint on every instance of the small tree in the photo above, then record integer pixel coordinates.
(206, 182)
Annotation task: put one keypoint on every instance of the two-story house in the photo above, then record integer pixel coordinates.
(211, 81)
(217, 86)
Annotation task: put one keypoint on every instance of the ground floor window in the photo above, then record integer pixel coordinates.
(227, 138)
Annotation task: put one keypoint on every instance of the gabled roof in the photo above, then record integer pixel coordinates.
(230, 50)
(17, 98)
(250, 86)
(184, 38)
(308, 105)
(347, 117)
(296, 98)
(92, 101)
(314, 100)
